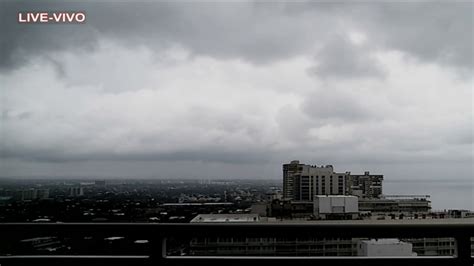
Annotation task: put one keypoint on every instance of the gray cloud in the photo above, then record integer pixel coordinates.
(257, 32)
(339, 58)
(19, 42)
(333, 105)
(237, 84)
(435, 32)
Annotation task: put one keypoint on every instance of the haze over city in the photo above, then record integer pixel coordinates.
(234, 90)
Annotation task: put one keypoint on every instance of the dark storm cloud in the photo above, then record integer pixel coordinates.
(61, 155)
(257, 32)
(20, 42)
(440, 32)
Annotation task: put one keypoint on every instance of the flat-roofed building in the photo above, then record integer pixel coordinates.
(364, 186)
(301, 181)
(241, 243)
(406, 206)
(336, 207)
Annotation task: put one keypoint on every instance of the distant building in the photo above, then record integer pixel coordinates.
(76, 191)
(336, 207)
(4, 200)
(301, 182)
(260, 209)
(32, 194)
(290, 209)
(364, 186)
(384, 247)
(42, 193)
(28, 194)
(460, 213)
(406, 206)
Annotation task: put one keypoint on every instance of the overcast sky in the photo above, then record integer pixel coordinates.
(234, 90)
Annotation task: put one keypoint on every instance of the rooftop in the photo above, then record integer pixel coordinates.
(384, 241)
(226, 218)
(448, 221)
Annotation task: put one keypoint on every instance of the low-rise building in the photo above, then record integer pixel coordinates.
(32, 194)
(384, 247)
(336, 207)
(434, 246)
(407, 206)
(460, 213)
(76, 191)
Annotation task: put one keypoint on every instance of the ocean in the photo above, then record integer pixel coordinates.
(453, 194)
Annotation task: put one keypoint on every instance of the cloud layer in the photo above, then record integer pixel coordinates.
(227, 87)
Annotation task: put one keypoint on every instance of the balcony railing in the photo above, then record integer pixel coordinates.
(159, 234)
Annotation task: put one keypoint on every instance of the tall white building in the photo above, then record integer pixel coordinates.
(301, 182)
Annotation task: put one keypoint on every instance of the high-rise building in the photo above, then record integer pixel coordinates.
(301, 182)
(364, 186)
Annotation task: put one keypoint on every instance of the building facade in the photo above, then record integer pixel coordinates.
(310, 245)
(384, 247)
(241, 244)
(301, 182)
(336, 207)
(364, 186)
(406, 206)
(32, 194)
(76, 191)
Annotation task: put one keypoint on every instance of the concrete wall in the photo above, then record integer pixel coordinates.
(384, 247)
(335, 204)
